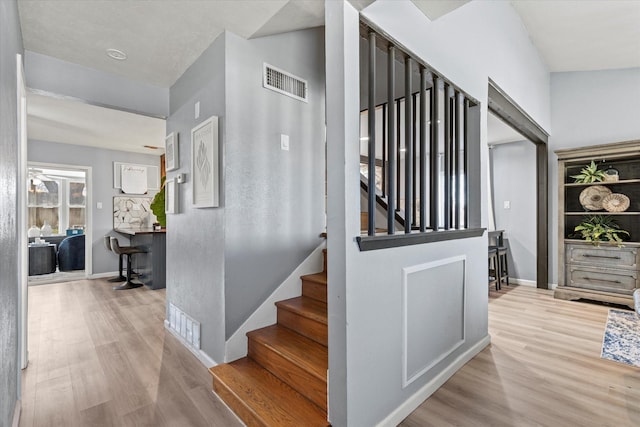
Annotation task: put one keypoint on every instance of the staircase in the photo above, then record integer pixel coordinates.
(283, 379)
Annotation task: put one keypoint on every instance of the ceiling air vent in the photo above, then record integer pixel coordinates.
(284, 83)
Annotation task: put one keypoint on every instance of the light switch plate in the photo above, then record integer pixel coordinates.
(284, 142)
(507, 204)
(197, 109)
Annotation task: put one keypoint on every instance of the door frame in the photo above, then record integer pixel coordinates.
(23, 252)
(511, 113)
(88, 252)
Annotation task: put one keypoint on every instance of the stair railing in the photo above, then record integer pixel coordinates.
(424, 142)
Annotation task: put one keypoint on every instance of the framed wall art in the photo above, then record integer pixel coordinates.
(204, 164)
(170, 196)
(171, 152)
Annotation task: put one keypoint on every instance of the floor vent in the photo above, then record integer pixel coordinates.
(284, 83)
(184, 326)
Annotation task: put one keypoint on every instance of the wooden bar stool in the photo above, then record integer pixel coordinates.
(128, 251)
(494, 269)
(503, 264)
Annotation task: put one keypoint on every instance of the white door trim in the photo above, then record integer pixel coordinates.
(88, 252)
(21, 188)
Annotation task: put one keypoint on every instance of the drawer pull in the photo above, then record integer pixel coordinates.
(603, 280)
(601, 256)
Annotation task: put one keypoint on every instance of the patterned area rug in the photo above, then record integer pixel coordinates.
(621, 342)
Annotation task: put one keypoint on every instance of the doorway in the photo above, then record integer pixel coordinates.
(502, 106)
(512, 189)
(58, 222)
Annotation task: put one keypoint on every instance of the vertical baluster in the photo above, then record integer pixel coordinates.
(456, 163)
(414, 186)
(408, 138)
(465, 161)
(424, 76)
(398, 148)
(371, 226)
(433, 153)
(384, 150)
(391, 143)
(447, 158)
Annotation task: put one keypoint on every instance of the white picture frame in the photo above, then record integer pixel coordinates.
(171, 152)
(153, 175)
(204, 164)
(171, 196)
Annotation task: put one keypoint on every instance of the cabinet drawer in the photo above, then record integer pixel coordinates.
(605, 256)
(600, 279)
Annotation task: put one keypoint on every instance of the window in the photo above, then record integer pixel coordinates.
(44, 203)
(57, 197)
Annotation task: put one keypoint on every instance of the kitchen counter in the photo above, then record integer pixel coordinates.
(151, 266)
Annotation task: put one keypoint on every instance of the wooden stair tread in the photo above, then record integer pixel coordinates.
(306, 307)
(261, 399)
(304, 352)
(316, 278)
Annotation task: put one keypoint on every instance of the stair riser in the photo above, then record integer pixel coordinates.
(237, 405)
(317, 291)
(307, 384)
(304, 326)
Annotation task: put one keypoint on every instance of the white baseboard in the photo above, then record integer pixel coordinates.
(523, 282)
(410, 405)
(532, 283)
(266, 314)
(16, 414)
(103, 275)
(203, 357)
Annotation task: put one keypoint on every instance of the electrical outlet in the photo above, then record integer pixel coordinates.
(507, 204)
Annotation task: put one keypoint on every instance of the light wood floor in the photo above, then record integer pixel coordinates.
(543, 368)
(103, 358)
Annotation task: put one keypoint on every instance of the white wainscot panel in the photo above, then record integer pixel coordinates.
(433, 311)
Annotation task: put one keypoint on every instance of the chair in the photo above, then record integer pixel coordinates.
(128, 251)
(71, 253)
(496, 241)
(503, 263)
(120, 277)
(494, 267)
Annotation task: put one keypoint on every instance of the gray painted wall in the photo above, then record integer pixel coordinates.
(514, 179)
(365, 288)
(10, 45)
(101, 162)
(589, 108)
(65, 78)
(274, 199)
(271, 210)
(195, 254)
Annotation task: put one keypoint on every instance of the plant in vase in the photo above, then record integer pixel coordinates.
(157, 205)
(601, 228)
(590, 174)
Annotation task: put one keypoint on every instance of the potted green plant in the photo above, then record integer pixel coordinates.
(589, 174)
(157, 205)
(601, 228)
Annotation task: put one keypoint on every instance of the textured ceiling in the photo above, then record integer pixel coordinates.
(584, 35)
(161, 38)
(164, 37)
(74, 122)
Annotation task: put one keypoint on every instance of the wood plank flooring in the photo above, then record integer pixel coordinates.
(103, 358)
(543, 368)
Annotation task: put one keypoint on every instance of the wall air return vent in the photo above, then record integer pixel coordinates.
(284, 83)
